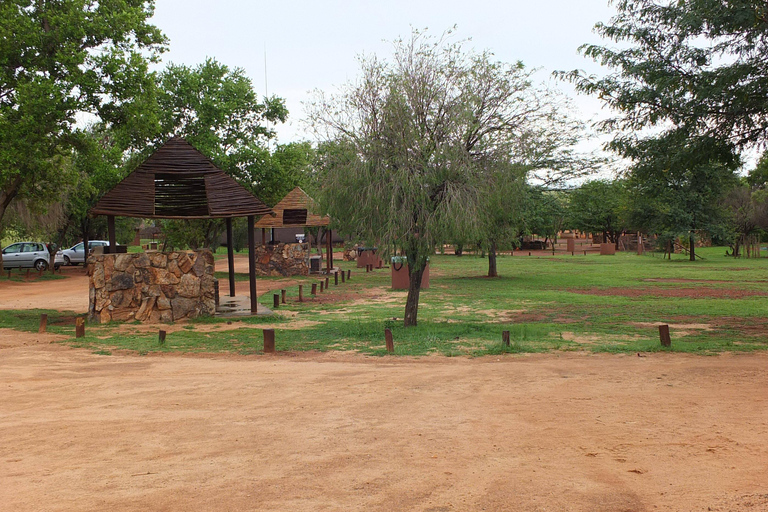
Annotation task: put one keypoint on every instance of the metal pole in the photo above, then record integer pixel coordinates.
(231, 257)
(252, 263)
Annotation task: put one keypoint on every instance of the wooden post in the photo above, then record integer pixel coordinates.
(314, 289)
(505, 338)
(326, 283)
(231, 257)
(367, 268)
(343, 276)
(329, 249)
(336, 279)
(79, 327)
(112, 237)
(269, 340)
(263, 236)
(43, 322)
(252, 264)
(301, 293)
(389, 341)
(349, 274)
(276, 301)
(321, 286)
(666, 341)
(161, 337)
(282, 296)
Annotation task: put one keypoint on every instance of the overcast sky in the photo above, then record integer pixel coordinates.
(312, 44)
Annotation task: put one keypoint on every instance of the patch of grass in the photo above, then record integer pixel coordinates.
(548, 303)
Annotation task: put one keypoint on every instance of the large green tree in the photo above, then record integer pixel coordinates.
(678, 184)
(217, 110)
(416, 141)
(695, 65)
(60, 60)
(597, 207)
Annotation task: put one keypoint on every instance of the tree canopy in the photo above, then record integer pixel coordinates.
(692, 65)
(414, 142)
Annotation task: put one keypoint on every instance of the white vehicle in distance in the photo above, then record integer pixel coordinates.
(75, 254)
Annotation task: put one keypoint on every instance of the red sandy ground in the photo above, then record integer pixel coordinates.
(339, 431)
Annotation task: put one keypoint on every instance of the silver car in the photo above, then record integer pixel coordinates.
(75, 254)
(26, 255)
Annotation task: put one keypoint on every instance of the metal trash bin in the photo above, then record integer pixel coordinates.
(315, 264)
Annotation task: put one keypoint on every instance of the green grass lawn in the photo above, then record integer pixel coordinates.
(548, 303)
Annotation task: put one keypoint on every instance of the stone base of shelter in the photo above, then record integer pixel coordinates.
(151, 287)
(282, 260)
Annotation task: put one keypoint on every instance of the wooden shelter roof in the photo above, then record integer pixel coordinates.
(294, 210)
(179, 182)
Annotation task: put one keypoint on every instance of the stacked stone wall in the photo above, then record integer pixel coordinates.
(282, 260)
(152, 286)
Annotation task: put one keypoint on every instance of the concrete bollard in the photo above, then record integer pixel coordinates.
(666, 341)
(269, 340)
(79, 327)
(389, 341)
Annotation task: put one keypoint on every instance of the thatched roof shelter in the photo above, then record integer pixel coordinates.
(179, 182)
(295, 210)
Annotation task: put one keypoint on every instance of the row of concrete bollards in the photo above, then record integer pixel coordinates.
(281, 298)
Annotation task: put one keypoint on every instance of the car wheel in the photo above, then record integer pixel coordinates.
(66, 260)
(41, 265)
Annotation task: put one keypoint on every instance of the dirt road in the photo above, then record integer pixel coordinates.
(71, 294)
(340, 432)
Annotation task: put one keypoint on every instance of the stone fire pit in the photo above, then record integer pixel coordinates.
(152, 286)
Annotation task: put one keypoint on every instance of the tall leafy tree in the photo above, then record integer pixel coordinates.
(597, 207)
(58, 60)
(217, 110)
(418, 139)
(692, 65)
(678, 185)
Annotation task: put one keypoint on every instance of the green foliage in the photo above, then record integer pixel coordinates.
(695, 65)
(414, 144)
(678, 185)
(59, 60)
(545, 213)
(598, 207)
(217, 110)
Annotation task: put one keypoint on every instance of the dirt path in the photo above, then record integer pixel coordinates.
(71, 294)
(343, 432)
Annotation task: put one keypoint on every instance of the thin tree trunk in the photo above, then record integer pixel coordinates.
(415, 271)
(459, 250)
(693, 248)
(6, 197)
(492, 260)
